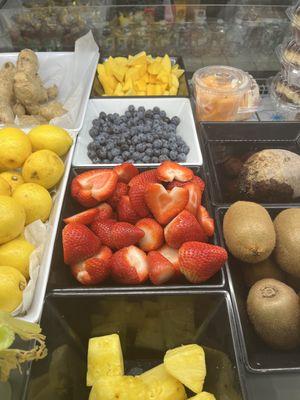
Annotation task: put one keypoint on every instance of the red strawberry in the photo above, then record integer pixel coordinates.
(143, 178)
(137, 189)
(126, 212)
(120, 190)
(207, 223)
(165, 205)
(129, 266)
(104, 211)
(195, 195)
(154, 234)
(95, 269)
(169, 170)
(102, 228)
(85, 217)
(184, 228)
(200, 261)
(93, 186)
(126, 172)
(173, 256)
(196, 179)
(160, 268)
(79, 243)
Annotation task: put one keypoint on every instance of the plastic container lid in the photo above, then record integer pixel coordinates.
(294, 14)
(290, 53)
(285, 97)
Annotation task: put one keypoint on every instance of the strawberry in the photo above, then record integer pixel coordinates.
(143, 178)
(160, 268)
(126, 172)
(165, 205)
(184, 228)
(129, 266)
(195, 195)
(169, 170)
(79, 243)
(196, 179)
(126, 212)
(95, 269)
(91, 187)
(137, 189)
(102, 228)
(204, 219)
(173, 256)
(120, 190)
(154, 234)
(200, 261)
(85, 217)
(104, 211)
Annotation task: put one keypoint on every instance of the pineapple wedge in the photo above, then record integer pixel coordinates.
(104, 358)
(119, 387)
(187, 364)
(161, 385)
(203, 396)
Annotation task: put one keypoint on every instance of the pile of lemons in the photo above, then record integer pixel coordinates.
(30, 165)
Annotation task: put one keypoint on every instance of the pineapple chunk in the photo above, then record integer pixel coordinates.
(104, 358)
(203, 396)
(161, 385)
(150, 335)
(187, 364)
(166, 64)
(119, 387)
(121, 60)
(118, 71)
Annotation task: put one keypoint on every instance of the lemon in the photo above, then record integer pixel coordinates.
(50, 137)
(16, 253)
(15, 147)
(43, 167)
(12, 219)
(5, 189)
(36, 201)
(13, 178)
(12, 284)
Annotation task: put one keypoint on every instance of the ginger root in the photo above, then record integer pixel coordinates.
(7, 73)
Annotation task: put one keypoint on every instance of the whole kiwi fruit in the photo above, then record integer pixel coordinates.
(274, 310)
(249, 232)
(287, 250)
(262, 270)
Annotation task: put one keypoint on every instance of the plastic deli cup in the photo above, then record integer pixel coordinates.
(294, 16)
(285, 97)
(289, 55)
(222, 93)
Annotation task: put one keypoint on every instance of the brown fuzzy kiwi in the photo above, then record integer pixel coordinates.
(274, 310)
(249, 232)
(262, 270)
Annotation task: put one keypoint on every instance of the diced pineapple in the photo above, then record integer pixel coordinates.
(166, 64)
(104, 358)
(119, 387)
(121, 60)
(119, 90)
(203, 396)
(140, 85)
(118, 71)
(187, 364)
(155, 67)
(140, 58)
(150, 335)
(162, 386)
(178, 72)
(163, 76)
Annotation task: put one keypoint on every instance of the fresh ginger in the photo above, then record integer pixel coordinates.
(7, 73)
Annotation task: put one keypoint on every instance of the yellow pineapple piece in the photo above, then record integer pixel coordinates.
(128, 85)
(155, 67)
(118, 71)
(177, 72)
(140, 85)
(163, 76)
(120, 388)
(105, 358)
(140, 58)
(105, 80)
(119, 90)
(161, 385)
(166, 64)
(121, 60)
(187, 364)
(203, 396)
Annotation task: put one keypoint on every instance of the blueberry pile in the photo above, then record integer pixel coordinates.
(138, 136)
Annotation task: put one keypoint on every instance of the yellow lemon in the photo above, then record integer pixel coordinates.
(43, 167)
(5, 189)
(12, 219)
(15, 147)
(13, 178)
(16, 253)
(50, 137)
(36, 201)
(12, 284)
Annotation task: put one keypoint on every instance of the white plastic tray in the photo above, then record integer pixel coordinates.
(173, 106)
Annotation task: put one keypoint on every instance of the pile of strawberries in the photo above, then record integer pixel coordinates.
(148, 225)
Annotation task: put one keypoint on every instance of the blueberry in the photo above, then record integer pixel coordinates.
(131, 149)
(149, 152)
(140, 115)
(173, 155)
(175, 121)
(181, 157)
(131, 108)
(140, 147)
(146, 159)
(135, 156)
(185, 149)
(101, 153)
(91, 154)
(115, 152)
(163, 114)
(135, 140)
(173, 146)
(102, 140)
(109, 155)
(130, 161)
(91, 146)
(162, 158)
(102, 115)
(96, 123)
(154, 159)
(148, 114)
(167, 120)
(156, 116)
(135, 120)
(165, 143)
(164, 151)
(141, 109)
(126, 155)
(110, 145)
(127, 115)
(118, 159)
(148, 145)
(157, 144)
(93, 132)
(115, 116)
(156, 152)
(165, 135)
(156, 110)
(149, 138)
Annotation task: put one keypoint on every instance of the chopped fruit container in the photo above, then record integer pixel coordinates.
(176, 106)
(200, 317)
(258, 356)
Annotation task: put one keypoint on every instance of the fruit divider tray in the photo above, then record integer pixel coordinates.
(258, 357)
(203, 317)
(61, 279)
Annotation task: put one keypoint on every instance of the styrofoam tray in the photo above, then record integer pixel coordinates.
(173, 106)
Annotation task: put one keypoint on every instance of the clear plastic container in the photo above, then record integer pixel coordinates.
(285, 97)
(289, 55)
(294, 16)
(224, 94)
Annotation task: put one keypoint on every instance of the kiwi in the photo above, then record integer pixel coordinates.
(287, 250)
(274, 310)
(249, 232)
(264, 269)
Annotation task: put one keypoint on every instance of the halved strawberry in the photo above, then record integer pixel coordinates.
(129, 266)
(184, 228)
(196, 179)
(102, 228)
(126, 212)
(154, 234)
(169, 170)
(173, 256)
(195, 196)
(79, 243)
(85, 217)
(93, 186)
(204, 219)
(120, 190)
(104, 211)
(126, 172)
(144, 178)
(165, 205)
(95, 269)
(160, 268)
(138, 185)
